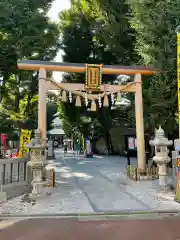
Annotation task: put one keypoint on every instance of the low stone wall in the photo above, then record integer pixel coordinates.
(15, 177)
(150, 173)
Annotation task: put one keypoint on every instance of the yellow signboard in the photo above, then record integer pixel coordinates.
(178, 76)
(177, 196)
(24, 139)
(93, 77)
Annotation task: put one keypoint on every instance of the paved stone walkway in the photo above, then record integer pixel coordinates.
(93, 185)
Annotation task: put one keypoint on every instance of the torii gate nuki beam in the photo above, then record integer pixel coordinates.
(136, 87)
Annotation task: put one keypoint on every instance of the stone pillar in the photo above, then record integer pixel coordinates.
(37, 163)
(161, 157)
(139, 124)
(88, 152)
(50, 152)
(162, 176)
(42, 103)
(174, 168)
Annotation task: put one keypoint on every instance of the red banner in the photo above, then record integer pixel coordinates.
(4, 141)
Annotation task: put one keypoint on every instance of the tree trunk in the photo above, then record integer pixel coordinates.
(109, 143)
(27, 108)
(17, 94)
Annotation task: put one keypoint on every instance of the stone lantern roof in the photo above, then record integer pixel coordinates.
(160, 133)
(37, 142)
(160, 139)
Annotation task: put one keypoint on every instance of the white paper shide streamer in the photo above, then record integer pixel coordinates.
(112, 98)
(86, 99)
(70, 97)
(99, 101)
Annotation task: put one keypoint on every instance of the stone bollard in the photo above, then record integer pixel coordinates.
(161, 157)
(52, 178)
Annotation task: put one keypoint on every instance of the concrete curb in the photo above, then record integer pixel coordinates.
(98, 216)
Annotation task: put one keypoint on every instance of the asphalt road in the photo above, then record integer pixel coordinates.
(69, 229)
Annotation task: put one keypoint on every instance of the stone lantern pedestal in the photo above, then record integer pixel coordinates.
(37, 163)
(161, 157)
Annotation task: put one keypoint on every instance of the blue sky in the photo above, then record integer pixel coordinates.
(58, 6)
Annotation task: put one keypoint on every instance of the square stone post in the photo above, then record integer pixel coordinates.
(139, 123)
(174, 168)
(42, 90)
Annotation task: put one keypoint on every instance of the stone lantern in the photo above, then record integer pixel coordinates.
(161, 157)
(37, 163)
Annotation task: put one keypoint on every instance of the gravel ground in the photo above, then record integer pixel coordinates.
(92, 185)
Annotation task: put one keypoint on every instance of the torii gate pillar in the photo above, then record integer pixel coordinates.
(139, 123)
(42, 90)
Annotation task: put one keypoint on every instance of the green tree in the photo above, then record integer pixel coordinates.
(155, 23)
(80, 43)
(25, 33)
(84, 40)
(51, 114)
(23, 25)
(116, 31)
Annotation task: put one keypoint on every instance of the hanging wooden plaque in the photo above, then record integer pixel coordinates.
(93, 77)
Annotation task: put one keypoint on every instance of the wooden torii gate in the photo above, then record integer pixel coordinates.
(46, 84)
